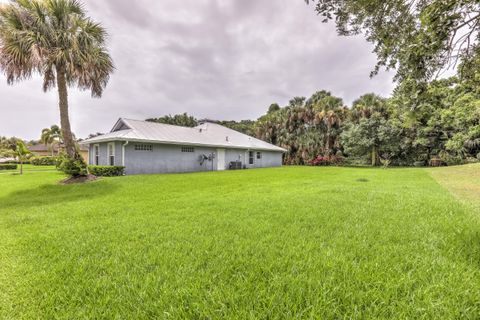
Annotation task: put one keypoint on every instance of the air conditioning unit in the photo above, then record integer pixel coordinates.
(235, 165)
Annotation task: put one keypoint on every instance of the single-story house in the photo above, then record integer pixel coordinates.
(148, 147)
(42, 150)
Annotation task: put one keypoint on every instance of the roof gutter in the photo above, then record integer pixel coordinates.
(180, 143)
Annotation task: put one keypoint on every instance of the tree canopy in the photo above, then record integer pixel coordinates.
(58, 41)
(418, 39)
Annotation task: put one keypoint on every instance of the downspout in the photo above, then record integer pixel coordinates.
(123, 153)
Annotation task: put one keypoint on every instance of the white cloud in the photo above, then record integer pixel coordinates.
(223, 59)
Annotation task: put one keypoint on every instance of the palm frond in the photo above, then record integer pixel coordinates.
(45, 36)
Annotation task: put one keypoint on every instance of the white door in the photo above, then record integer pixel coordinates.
(220, 159)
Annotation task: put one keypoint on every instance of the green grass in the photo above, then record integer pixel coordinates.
(292, 242)
(462, 181)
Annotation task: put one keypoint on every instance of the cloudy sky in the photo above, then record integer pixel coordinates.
(221, 59)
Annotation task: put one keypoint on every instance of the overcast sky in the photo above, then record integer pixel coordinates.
(220, 59)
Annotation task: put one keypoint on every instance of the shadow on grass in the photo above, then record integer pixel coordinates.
(51, 194)
(469, 246)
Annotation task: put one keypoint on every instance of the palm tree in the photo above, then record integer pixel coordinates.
(54, 38)
(21, 152)
(50, 136)
(368, 104)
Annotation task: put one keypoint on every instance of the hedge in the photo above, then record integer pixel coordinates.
(16, 162)
(44, 161)
(8, 167)
(106, 171)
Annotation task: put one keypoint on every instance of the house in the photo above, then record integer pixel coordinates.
(148, 147)
(41, 150)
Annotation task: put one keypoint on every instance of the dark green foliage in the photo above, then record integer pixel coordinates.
(183, 120)
(106, 171)
(44, 161)
(375, 136)
(307, 128)
(273, 107)
(416, 38)
(9, 166)
(451, 160)
(8, 144)
(243, 126)
(72, 167)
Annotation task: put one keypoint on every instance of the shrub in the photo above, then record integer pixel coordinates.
(320, 161)
(72, 167)
(16, 162)
(44, 161)
(451, 160)
(8, 167)
(107, 171)
(419, 163)
(327, 160)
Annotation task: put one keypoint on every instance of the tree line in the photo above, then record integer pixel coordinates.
(443, 127)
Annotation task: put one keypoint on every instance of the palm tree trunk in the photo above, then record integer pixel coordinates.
(64, 118)
(21, 166)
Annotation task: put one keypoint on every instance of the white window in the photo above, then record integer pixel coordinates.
(96, 154)
(250, 157)
(259, 155)
(188, 149)
(111, 153)
(143, 147)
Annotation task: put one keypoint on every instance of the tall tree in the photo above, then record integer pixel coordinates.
(183, 120)
(273, 107)
(368, 104)
(373, 136)
(56, 39)
(417, 38)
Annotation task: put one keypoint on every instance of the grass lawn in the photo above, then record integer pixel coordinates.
(462, 181)
(292, 242)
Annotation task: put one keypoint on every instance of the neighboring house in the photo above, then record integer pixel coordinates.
(41, 150)
(148, 147)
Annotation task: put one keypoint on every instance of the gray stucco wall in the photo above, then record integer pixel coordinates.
(103, 152)
(167, 159)
(170, 158)
(267, 158)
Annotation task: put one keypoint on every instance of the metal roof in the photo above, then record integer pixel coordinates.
(206, 134)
